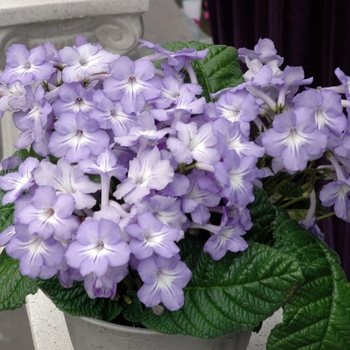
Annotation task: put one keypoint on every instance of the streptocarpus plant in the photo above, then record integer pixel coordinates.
(175, 192)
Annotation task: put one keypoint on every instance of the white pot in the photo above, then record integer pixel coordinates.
(92, 334)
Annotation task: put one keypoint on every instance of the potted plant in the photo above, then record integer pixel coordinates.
(175, 193)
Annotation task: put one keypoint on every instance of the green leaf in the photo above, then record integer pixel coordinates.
(262, 214)
(317, 314)
(132, 307)
(6, 213)
(75, 301)
(220, 68)
(14, 286)
(232, 294)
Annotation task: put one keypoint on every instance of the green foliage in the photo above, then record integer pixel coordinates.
(262, 214)
(232, 294)
(14, 286)
(220, 68)
(132, 307)
(317, 314)
(75, 302)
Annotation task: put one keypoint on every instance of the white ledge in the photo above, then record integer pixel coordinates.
(16, 12)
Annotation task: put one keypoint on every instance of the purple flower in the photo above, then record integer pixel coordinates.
(238, 106)
(65, 178)
(38, 257)
(133, 83)
(194, 143)
(171, 91)
(165, 209)
(225, 237)
(49, 214)
(326, 104)
(146, 171)
(337, 193)
(98, 246)
(13, 97)
(151, 236)
(105, 286)
(35, 119)
(237, 175)
(73, 98)
(76, 137)
(15, 183)
(295, 138)
(105, 163)
(292, 78)
(230, 137)
(85, 61)
(264, 51)
(164, 280)
(26, 66)
(201, 195)
(5, 236)
(110, 115)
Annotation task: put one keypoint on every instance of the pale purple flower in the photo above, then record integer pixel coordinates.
(17, 182)
(264, 51)
(110, 115)
(105, 163)
(226, 237)
(187, 101)
(295, 138)
(327, 107)
(145, 128)
(171, 91)
(38, 257)
(13, 97)
(5, 236)
(98, 246)
(177, 59)
(65, 178)
(239, 106)
(76, 137)
(11, 162)
(105, 286)
(292, 78)
(201, 195)
(194, 142)
(133, 83)
(151, 236)
(49, 214)
(230, 136)
(26, 66)
(163, 281)
(85, 61)
(147, 171)
(345, 80)
(37, 117)
(165, 209)
(337, 193)
(236, 176)
(73, 98)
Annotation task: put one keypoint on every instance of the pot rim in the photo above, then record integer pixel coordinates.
(111, 325)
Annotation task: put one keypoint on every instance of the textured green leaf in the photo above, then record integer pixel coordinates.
(6, 213)
(132, 307)
(220, 68)
(75, 301)
(262, 214)
(317, 314)
(14, 286)
(232, 294)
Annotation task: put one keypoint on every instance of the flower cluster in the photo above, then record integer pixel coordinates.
(126, 157)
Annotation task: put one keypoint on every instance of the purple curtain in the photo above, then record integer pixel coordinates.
(308, 33)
